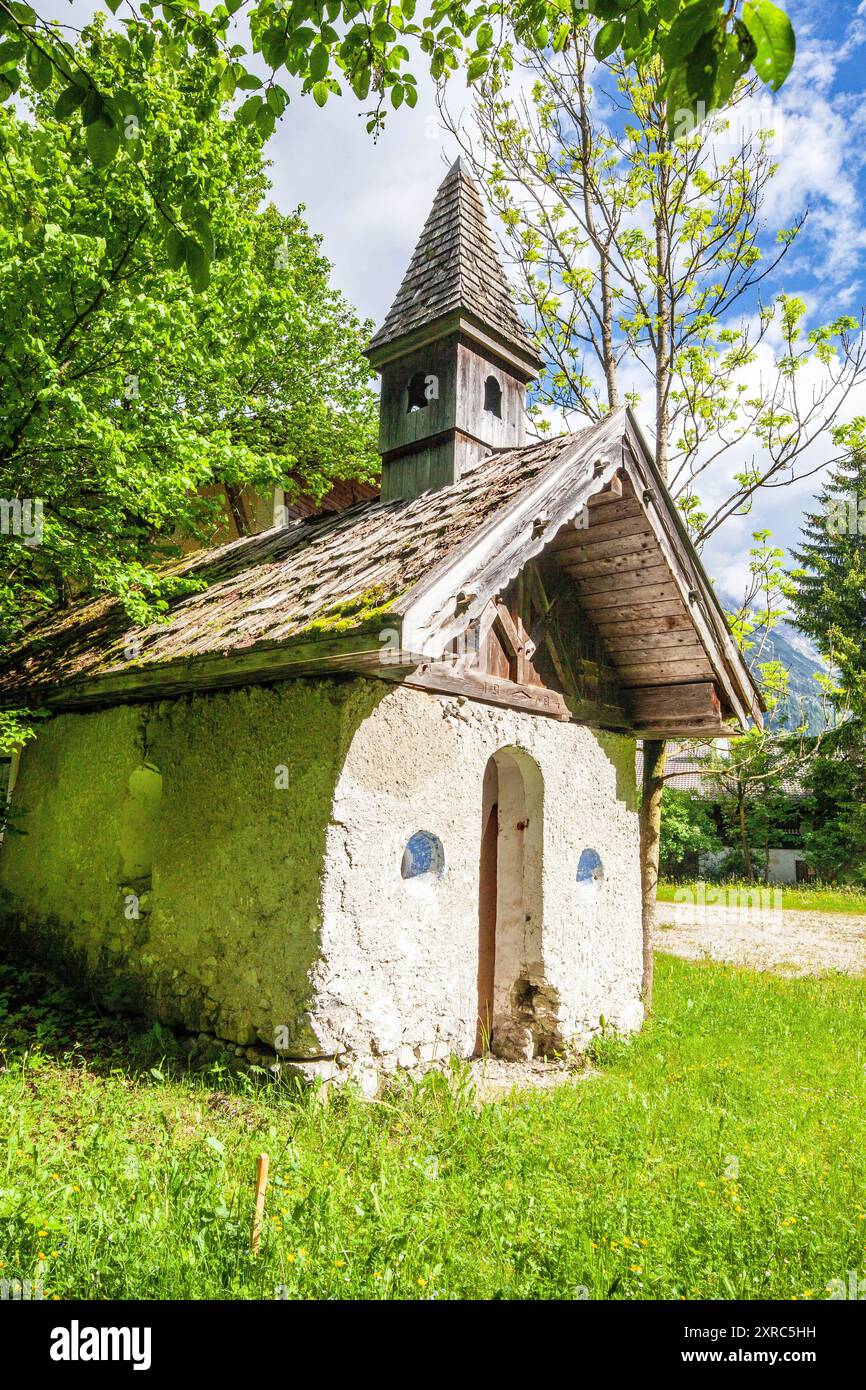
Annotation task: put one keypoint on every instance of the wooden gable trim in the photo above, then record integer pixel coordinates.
(674, 585)
(703, 602)
(489, 560)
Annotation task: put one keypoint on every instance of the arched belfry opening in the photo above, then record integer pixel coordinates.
(416, 393)
(516, 1010)
(493, 397)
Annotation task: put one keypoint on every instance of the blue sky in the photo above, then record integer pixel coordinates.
(369, 200)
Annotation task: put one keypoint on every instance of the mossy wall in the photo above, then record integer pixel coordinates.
(197, 903)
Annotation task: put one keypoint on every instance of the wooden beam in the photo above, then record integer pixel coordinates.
(638, 562)
(354, 652)
(624, 525)
(640, 543)
(673, 672)
(666, 593)
(627, 578)
(441, 678)
(509, 632)
(652, 704)
(638, 621)
(647, 643)
(695, 728)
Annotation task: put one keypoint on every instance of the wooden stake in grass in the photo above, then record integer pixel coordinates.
(259, 1209)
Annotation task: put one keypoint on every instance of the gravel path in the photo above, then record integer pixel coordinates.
(791, 943)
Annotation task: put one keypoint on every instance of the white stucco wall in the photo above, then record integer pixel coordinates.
(397, 976)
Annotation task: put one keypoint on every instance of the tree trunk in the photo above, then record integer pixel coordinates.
(745, 848)
(234, 497)
(654, 758)
(588, 183)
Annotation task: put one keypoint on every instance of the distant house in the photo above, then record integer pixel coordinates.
(782, 861)
(369, 796)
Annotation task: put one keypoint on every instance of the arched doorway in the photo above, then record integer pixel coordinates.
(510, 970)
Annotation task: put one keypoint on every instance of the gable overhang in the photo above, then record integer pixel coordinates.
(437, 610)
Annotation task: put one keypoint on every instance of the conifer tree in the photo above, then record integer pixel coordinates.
(830, 584)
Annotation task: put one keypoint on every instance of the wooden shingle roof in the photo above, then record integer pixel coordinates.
(344, 592)
(320, 576)
(455, 267)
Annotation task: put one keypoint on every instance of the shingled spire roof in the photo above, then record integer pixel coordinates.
(455, 269)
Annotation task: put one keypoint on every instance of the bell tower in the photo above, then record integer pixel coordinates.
(454, 357)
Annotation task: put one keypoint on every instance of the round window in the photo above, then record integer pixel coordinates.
(590, 870)
(423, 859)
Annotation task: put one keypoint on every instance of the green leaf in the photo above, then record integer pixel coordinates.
(94, 108)
(69, 101)
(320, 93)
(683, 110)
(249, 82)
(174, 248)
(774, 40)
(608, 38)
(247, 113)
(214, 1143)
(39, 69)
(477, 67)
(265, 122)
(702, 70)
(103, 142)
(202, 228)
(10, 52)
(318, 62)
(197, 264)
(687, 29)
(361, 83)
(277, 100)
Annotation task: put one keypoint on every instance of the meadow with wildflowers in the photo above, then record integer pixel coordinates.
(718, 1154)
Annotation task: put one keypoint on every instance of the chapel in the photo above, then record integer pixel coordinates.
(367, 799)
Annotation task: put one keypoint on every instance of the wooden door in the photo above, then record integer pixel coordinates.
(487, 929)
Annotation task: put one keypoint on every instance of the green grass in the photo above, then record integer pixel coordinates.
(121, 1181)
(822, 898)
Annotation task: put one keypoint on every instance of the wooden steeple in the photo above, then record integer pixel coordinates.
(454, 356)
